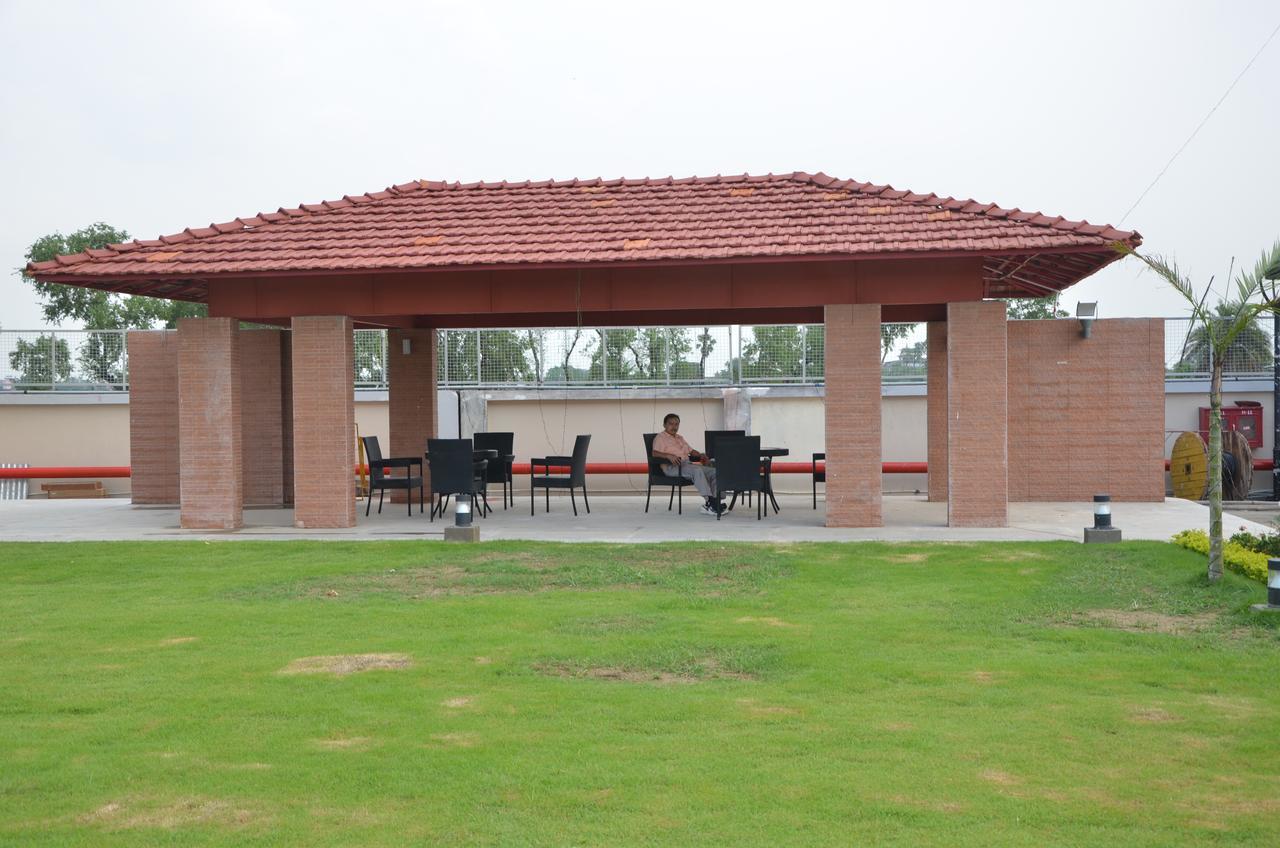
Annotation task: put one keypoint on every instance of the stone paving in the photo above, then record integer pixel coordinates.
(614, 518)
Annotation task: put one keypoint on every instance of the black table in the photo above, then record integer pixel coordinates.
(482, 457)
(768, 454)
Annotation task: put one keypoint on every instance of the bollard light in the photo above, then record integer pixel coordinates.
(1101, 512)
(462, 513)
(1101, 531)
(1273, 588)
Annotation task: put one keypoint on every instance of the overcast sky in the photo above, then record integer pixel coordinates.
(158, 116)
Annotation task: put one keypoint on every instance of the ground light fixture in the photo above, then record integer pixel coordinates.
(462, 530)
(1273, 588)
(1101, 531)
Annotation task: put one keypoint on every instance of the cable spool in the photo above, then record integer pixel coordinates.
(1237, 466)
(1189, 467)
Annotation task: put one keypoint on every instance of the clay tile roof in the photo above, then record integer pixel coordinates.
(430, 224)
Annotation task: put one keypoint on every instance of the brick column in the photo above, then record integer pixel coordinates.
(209, 423)
(411, 395)
(978, 415)
(852, 341)
(324, 422)
(286, 417)
(936, 402)
(153, 416)
(261, 417)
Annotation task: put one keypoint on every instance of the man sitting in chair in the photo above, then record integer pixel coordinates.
(680, 460)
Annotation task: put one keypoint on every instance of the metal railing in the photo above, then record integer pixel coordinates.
(596, 357)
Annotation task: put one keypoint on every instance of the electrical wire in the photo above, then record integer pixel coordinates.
(1204, 121)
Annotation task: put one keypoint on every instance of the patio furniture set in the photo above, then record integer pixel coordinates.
(467, 467)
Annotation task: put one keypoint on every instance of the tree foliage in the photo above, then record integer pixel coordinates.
(1023, 308)
(99, 310)
(45, 361)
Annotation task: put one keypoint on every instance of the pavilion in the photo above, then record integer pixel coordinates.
(1023, 410)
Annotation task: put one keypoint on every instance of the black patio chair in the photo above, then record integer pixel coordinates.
(738, 468)
(577, 476)
(379, 478)
(454, 471)
(818, 476)
(657, 478)
(709, 438)
(499, 470)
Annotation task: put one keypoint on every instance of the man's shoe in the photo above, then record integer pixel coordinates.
(708, 509)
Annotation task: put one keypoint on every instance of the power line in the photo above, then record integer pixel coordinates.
(1178, 152)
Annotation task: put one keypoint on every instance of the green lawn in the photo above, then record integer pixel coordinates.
(676, 695)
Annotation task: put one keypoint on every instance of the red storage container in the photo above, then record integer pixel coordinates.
(1246, 419)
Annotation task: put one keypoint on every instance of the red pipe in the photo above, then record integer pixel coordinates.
(72, 472)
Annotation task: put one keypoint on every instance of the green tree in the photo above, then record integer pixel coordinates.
(912, 362)
(502, 357)
(889, 336)
(99, 310)
(609, 360)
(1023, 308)
(370, 354)
(1256, 292)
(774, 352)
(41, 363)
(706, 344)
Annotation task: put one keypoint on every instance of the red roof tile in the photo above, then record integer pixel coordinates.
(429, 224)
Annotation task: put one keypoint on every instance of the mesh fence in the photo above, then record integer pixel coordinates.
(762, 354)
(1188, 354)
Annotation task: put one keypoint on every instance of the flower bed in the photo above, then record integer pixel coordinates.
(1235, 556)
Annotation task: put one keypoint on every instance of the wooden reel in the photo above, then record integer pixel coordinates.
(1189, 467)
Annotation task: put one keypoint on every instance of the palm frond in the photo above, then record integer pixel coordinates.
(1255, 280)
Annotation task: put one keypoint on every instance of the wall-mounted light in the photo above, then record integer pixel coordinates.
(1086, 313)
(406, 346)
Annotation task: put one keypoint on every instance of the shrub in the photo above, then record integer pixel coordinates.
(1267, 543)
(1235, 556)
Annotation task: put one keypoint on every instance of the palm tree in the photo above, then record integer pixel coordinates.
(1219, 328)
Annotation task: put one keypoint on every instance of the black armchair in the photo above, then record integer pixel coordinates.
(709, 438)
(818, 476)
(499, 470)
(454, 471)
(577, 476)
(658, 478)
(738, 468)
(379, 478)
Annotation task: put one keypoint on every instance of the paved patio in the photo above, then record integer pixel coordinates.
(617, 518)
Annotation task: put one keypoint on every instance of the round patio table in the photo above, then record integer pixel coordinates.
(768, 454)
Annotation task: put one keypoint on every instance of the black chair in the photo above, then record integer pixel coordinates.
(499, 470)
(818, 476)
(738, 468)
(657, 478)
(709, 438)
(454, 471)
(380, 480)
(577, 476)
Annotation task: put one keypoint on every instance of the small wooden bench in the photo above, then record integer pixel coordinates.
(92, 489)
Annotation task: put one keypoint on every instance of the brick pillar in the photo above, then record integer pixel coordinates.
(286, 417)
(324, 422)
(937, 410)
(411, 395)
(209, 423)
(261, 417)
(153, 416)
(852, 340)
(978, 415)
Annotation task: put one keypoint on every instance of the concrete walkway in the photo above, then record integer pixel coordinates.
(618, 518)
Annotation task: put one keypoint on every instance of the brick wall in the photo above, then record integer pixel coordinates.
(937, 410)
(852, 340)
(977, 415)
(260, 417)
(209, 423)
(323, 422)
(153, 416)
(411, 396)
(1086, 416)
(286, 416)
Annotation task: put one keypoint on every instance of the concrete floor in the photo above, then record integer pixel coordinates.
(616, 518)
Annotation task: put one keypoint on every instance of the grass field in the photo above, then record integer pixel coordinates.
(414, 693)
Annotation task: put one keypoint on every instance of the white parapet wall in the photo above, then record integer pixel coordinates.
(92, 428)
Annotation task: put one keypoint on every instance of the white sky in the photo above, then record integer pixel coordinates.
(158, 116)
